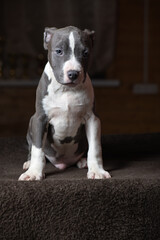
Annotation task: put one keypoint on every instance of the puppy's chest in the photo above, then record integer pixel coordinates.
(66, 107)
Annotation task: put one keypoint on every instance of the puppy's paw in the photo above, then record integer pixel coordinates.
(31, 175)
(26, 165)
(98, 174)
(82, 163)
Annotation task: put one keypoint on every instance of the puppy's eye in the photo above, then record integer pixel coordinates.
(59, 51)
(85, 53)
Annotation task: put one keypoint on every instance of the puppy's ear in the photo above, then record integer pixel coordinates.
(91, 34)
(48, 32)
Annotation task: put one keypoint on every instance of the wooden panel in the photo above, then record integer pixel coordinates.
(122, 112)
(16, 107)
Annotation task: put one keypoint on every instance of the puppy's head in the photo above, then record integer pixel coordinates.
(69, 52)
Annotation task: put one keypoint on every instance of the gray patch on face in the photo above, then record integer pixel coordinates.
(59, 42)
(82, 51)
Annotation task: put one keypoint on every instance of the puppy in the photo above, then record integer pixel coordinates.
(64, 125)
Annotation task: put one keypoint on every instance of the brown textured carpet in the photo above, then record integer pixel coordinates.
(66, 205)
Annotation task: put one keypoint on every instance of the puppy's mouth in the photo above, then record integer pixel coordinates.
(70, 84)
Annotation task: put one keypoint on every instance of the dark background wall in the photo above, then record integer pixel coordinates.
(121, 111)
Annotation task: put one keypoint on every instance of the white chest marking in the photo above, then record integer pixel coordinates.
(67, 108)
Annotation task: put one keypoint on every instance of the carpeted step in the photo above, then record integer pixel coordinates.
(66, 205)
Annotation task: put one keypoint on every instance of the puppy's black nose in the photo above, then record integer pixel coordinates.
(72, 74)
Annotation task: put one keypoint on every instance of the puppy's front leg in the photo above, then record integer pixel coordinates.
(37, 161)
(94, 158)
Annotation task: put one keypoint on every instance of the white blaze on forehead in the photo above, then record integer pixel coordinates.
(72, 42)
(72, 63)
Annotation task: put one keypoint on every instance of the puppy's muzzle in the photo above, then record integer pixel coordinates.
(73, 75)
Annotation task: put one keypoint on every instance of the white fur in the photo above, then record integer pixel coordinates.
(82, 163)
(26, 164)
(94, 158)
(66, 111)
(49, 72)
(66, 108)
(36, 166)
(72, 63)
(71, 42)
(67, 102)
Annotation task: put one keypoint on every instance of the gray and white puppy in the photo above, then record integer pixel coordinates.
(64, 125)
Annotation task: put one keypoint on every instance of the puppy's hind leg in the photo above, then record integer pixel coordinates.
(82, 163)
(26, 164)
